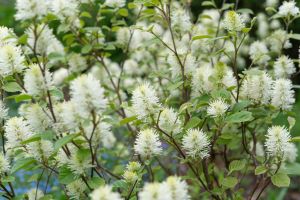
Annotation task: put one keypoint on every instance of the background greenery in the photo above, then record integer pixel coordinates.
(7, 19)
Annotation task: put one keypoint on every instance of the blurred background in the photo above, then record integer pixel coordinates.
(7, 19)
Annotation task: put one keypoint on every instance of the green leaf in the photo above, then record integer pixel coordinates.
(86, 49)
(12, 87)
(175, 85)
(236, 165)
(239, 117)
(23, 39)
(119, 184)
(32, 139)
(240, 105)
(199, 37)
(65, 175)
(7, 179)
(292, 169)
(229, 182)
(208, 3)
(246, 30)
(295, 36)
(86, 14)
(21, 164)
(280, 180)
(63, 141)
(260, 170)
(193, 122)
(295, 139)
(20, 97)
(128, 120)
(123, 12)
(96, 182)
(245, 10)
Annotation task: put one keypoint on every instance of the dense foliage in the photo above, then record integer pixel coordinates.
(144, 100)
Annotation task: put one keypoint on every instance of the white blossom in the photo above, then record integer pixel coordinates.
(11, 60)
(76, 189)
(291, 152)
(169, 121)
(38, 118)
(279, 40)
(196, 144)
(28, 9)
(147, 143)
(105, 193)
(17, 130)
(178, 188)
(277, 141)
(59, 76)
(77, 62)
(284, 67)
(4, 164)
(7, 36)
(3, 111)
(144, 100)
(259, 53)
(233, 21)
(66, 10)
(288, 8)
(36, 83)
(181, 20)
(79, 162)
(217, 108)
(200, 80)
(88, 95)
(257, 86)
(41, 150)
(155, 191)
(283, 94)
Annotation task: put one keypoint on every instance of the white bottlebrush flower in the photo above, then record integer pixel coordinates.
(17, 130)
(291, 152)
(115, 3)
(259, 53)
(4, 164)
(59, 76)
(130, 176)
(144, 100)
(272, 3)
(181, 20)
(196, 144)
(28, 9)
(288, 8)
(102, 134)
(67, 115)
(38, 118)
(123, 35)
(178, 188)
(233, 21)
(283, 94)
(147, 143)
(169, 121)
(79, 163)
(200, 80)
(3, 111)
(40, 150)
(279, 40)
(105, 193)
(11, 60)
(87, 95)
(277, 141)
(259, 149)
(76, 189)
(284, 67)
(45, 43)
(155, 191)
(35, 82)
(7, 36)
(66, 10)
(190, 65)
(217, 108)
(35, 194)
(77, 63)
(257, 87)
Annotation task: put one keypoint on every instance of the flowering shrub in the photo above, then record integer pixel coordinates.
(142, 100)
